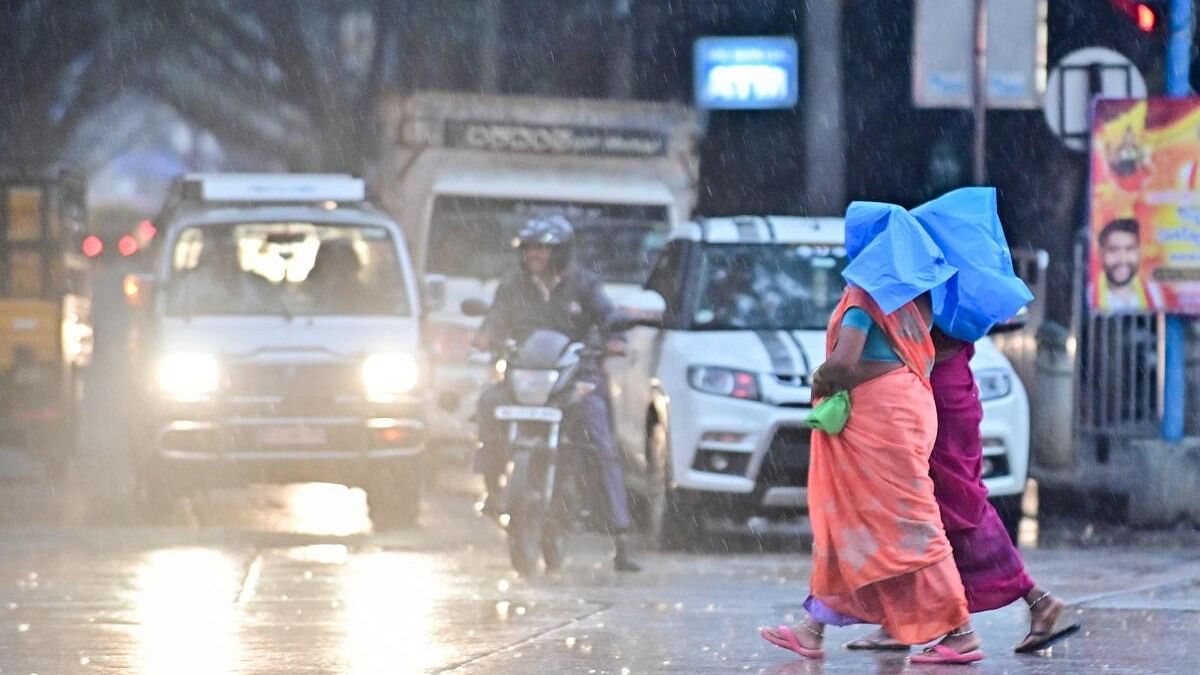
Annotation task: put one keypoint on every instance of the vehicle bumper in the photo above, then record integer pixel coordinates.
(754, 454)
(231, 449)
(766, 451)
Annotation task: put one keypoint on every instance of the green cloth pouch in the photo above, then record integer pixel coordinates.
(831, 414)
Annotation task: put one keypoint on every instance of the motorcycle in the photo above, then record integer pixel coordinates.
(545, 492)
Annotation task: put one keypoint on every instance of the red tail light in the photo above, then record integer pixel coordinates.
(145, 232)
(127, 245)
(93, 246)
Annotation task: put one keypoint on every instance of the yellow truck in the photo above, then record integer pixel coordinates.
(45, 315)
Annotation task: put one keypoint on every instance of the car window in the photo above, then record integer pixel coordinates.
(286, 268)
(768, 286)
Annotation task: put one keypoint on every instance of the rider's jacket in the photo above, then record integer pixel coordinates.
(576, 307)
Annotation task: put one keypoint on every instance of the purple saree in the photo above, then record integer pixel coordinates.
(990, 566)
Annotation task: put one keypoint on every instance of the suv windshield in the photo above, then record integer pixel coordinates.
(292, 268)
(472, 236)
(768, 286)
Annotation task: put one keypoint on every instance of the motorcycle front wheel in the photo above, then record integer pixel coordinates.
(526, 514)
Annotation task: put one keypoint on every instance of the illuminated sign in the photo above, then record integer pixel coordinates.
(553, 139)
(746, 73)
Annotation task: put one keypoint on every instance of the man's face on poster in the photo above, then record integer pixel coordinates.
(1120, 256)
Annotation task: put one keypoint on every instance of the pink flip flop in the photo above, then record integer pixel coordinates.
(784, 637)
(943, 654)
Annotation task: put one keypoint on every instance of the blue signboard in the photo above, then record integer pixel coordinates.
(746, 73)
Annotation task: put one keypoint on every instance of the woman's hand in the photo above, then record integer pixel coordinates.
(821, 387)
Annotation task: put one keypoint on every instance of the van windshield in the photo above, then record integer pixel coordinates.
(285, 269)
(472, 236)
(768, 286)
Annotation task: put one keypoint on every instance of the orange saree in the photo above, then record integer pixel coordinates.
(880, 554)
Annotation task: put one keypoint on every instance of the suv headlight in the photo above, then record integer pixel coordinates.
(387, 377)
(532, 387)
(993, 384)
(724, 382)
(189, 377)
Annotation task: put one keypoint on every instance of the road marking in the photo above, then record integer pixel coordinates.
(599, 608)
(250, 580)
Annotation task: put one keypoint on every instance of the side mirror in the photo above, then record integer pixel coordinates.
(643, 308)
(1016, 323)
(474, 307)
(434, 292)
(138, 290)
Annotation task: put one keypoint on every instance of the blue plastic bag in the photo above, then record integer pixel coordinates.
(892, 257)
(965, 226)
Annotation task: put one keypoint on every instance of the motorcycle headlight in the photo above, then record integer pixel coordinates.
(387, 377)
(724, 382)
(993, 384)
(532, 387)
(189, 377)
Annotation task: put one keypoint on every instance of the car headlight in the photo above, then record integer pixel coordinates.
(724, 382)
(532, 387)
(993, 384)
(387, 377)
(189, 377)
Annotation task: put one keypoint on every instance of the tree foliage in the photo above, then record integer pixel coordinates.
(287, 79)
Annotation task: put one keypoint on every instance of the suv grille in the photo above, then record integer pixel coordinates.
(786, 463)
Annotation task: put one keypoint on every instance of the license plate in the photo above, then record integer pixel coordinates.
(528, 414)
(296, 436)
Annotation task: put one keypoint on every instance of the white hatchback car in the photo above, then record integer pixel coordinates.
(714, 401)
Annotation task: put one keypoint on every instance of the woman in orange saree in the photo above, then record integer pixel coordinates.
(880, 554)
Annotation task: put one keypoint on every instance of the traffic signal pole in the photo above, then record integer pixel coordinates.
(979, 88)
(1179, 47)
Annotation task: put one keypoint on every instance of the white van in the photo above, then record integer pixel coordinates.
(712, 405)
(278, 340)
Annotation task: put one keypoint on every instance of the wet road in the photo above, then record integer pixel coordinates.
(292, 580)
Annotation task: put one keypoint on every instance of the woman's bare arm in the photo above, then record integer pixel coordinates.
(845, 368)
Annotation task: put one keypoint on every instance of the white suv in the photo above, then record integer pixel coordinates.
(714, 401)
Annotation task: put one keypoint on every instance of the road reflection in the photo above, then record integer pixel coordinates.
(184, 599)
(197, 609)
(388, 618)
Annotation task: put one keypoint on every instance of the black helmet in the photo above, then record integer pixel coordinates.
(554, 231)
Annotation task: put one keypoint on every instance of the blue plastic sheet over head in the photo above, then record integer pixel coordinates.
(891, 256)
(965, 226)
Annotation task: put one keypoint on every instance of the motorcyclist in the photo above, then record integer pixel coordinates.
(548, 293)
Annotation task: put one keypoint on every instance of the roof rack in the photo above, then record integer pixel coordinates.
(279, 188)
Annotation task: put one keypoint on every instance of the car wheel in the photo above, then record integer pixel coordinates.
(668, 523)
(1010, 510)
(394, 497)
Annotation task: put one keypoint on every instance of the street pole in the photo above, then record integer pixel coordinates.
(490, 47)
(1179, 47)
(824, 124)
(979, 93)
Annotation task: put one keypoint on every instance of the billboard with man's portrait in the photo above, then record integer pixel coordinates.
(1145, 206)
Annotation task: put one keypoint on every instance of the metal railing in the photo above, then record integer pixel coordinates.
(1118, 367)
